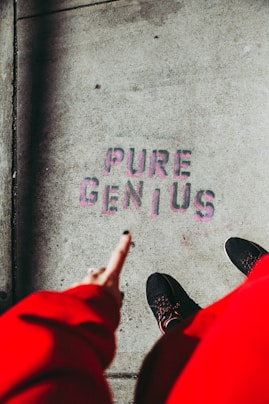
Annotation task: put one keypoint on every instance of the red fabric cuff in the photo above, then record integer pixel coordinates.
(90, 293)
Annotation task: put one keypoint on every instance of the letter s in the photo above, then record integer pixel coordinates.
(203, 204)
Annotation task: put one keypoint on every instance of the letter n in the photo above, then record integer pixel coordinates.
(132, 194)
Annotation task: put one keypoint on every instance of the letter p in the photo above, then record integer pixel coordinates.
(113, 157)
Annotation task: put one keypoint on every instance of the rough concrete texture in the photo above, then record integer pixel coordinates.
(185, 86)
(6, 91)
(122, 389)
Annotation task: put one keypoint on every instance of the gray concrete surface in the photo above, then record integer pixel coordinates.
(6, 109)
(183, 84)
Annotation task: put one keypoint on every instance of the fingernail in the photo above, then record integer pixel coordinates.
(126, 232)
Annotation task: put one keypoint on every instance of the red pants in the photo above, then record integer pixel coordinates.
(221, 355)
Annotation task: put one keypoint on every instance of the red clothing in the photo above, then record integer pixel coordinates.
(55, 346)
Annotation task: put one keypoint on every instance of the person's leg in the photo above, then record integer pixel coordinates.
(163, 366)
(168, 301)
(176, 351)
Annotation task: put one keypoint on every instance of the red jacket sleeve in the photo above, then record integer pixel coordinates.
(54, 347)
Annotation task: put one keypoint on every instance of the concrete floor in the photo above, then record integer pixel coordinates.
(150, 116)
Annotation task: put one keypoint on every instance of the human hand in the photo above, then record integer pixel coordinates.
(109, 277)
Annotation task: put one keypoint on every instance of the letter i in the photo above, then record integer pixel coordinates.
(155, 203)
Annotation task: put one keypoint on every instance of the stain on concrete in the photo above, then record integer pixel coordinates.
(157, 12)
(154, 12)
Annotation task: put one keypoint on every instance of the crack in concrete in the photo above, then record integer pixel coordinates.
(122, 375)
(14, 158)
(66, 9)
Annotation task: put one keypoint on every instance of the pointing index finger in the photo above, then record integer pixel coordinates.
(119, 255)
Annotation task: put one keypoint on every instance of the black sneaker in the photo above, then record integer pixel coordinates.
(168, 301)
(243, 253)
